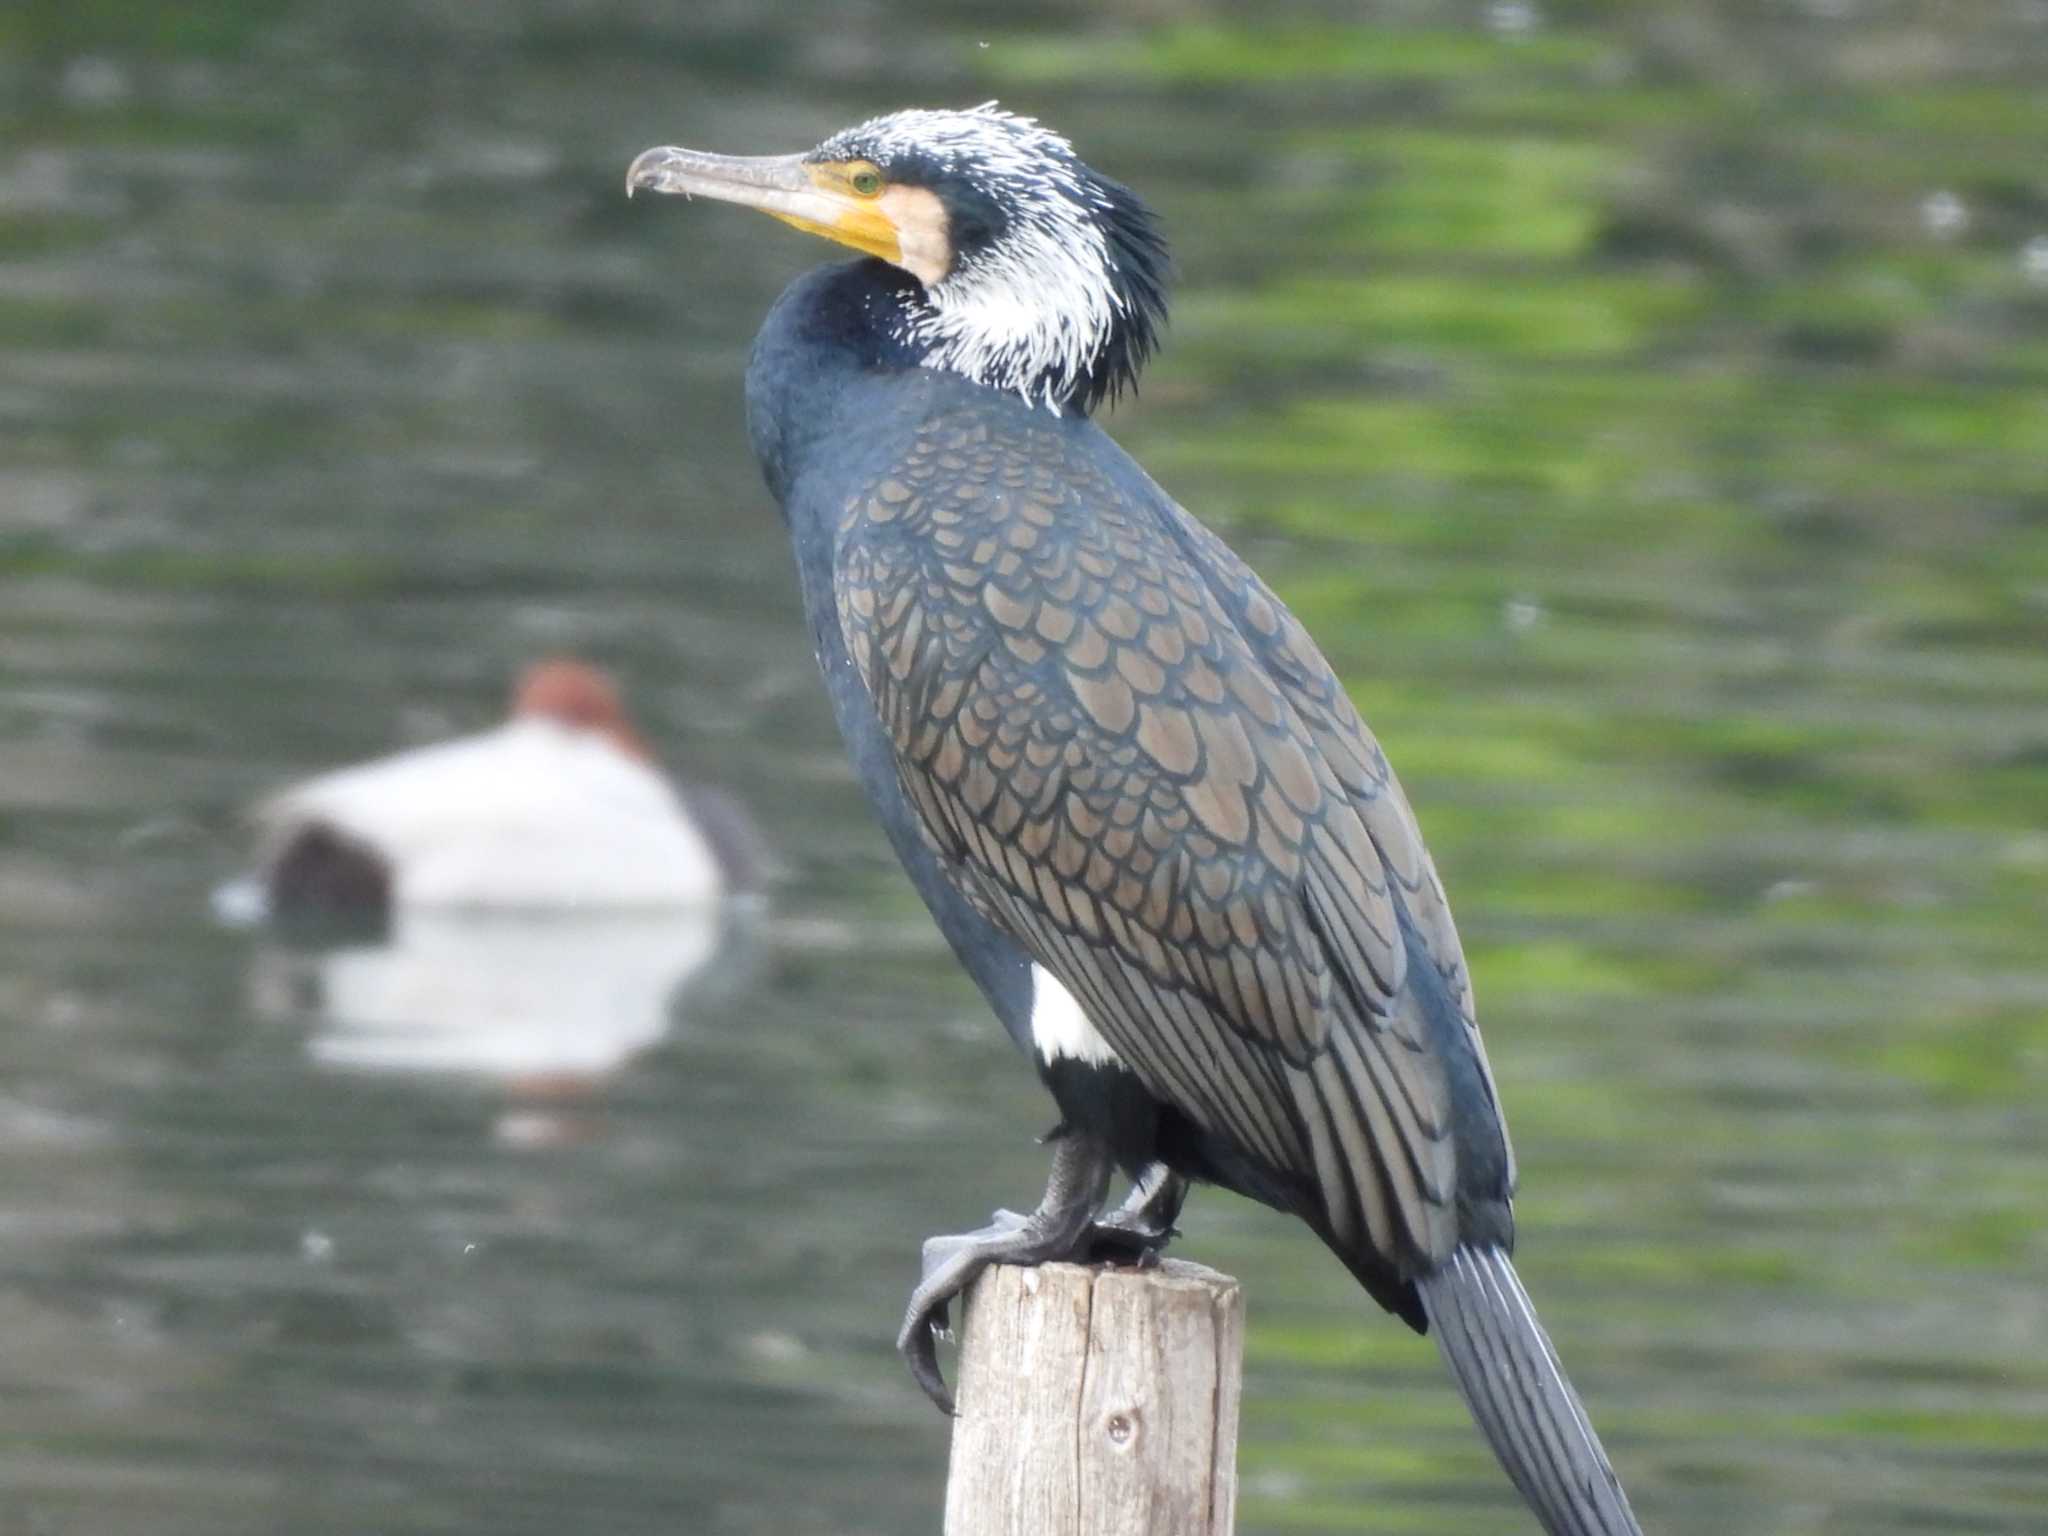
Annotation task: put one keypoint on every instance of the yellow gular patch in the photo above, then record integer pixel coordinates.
(906, 226)
(853, 219)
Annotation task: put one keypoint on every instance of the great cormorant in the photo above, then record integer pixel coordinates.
(1136, 798)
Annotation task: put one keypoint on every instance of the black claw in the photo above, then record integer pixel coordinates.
(1114, 1241)
(1058, 1229)
(921, 1353)
(918, 1343)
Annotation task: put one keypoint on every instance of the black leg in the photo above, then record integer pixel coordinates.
(1058, 1229)
(1138, 1231)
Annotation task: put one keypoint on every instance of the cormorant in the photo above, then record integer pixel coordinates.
(1134, 795)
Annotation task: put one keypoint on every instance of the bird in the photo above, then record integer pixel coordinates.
(1129, 786)
(560, 807)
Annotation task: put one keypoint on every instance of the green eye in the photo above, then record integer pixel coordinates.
(867, 181)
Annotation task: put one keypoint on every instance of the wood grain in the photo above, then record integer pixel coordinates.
(1098, 1402)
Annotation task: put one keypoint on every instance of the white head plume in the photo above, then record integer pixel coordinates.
(1033, 310)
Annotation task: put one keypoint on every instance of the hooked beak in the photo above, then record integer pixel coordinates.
(782, 186)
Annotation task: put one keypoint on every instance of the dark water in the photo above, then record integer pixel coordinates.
(1648, 407)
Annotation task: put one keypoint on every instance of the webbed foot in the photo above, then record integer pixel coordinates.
(1137, 1232)
(1059, 1229)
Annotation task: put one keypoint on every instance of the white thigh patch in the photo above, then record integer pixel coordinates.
(1059, 1027)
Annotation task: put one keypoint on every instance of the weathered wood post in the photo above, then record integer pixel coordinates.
(1098, 1402)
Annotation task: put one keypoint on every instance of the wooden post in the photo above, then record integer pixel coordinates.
(1098, 1402)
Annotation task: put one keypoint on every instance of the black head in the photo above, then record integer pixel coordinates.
(1036, 274)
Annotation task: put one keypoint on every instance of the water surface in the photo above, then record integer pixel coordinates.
(1645, 407)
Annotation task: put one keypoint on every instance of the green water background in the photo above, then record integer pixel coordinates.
(1645, 404)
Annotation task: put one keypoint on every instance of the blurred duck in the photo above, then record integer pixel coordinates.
(561, 807)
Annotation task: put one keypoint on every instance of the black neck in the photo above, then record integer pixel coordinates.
(830, 327)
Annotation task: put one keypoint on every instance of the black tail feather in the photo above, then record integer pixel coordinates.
(1510, 1378)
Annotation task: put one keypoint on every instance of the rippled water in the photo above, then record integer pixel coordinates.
(1646, 408)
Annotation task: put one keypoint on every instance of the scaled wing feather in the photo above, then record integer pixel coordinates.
(1158, 787)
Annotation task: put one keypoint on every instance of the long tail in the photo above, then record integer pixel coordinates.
(1510, 1378)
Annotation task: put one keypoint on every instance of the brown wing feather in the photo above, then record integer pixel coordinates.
(1354, 754)
(1166, 819)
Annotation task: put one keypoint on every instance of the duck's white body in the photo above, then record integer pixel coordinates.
(535, 814)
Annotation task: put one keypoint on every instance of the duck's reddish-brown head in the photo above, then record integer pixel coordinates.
(577, 694)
